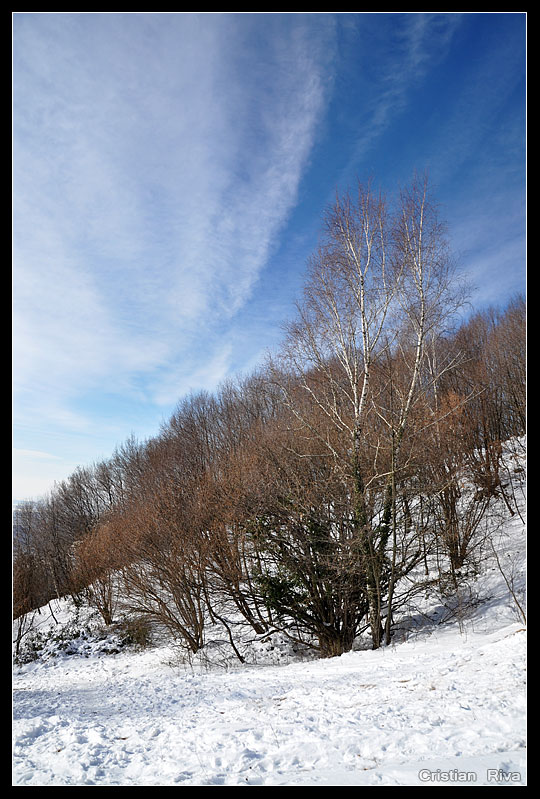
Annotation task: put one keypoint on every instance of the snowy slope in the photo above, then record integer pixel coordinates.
(366, 718)
(444, 704)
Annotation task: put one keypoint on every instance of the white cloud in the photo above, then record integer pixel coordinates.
(156, 159)
(204, 374)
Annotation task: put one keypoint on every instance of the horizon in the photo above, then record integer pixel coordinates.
(170, 171)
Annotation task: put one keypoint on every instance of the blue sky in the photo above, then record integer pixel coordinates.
(169, 176)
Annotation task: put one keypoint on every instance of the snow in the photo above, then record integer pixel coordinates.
(365, 718)
(444, 704)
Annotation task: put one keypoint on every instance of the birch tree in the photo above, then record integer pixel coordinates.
(378, 286)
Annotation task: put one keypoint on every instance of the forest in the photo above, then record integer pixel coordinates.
(316, 495)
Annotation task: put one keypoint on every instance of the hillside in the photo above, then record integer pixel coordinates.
(445, 703)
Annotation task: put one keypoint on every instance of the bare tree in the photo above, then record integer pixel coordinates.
(380, 285)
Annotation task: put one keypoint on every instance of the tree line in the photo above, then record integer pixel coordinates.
(306, 495)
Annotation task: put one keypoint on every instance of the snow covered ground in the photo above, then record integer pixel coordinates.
(397, 716)
(444, 704)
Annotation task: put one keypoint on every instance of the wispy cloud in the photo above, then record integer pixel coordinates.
(156, 158)
(407, 45)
